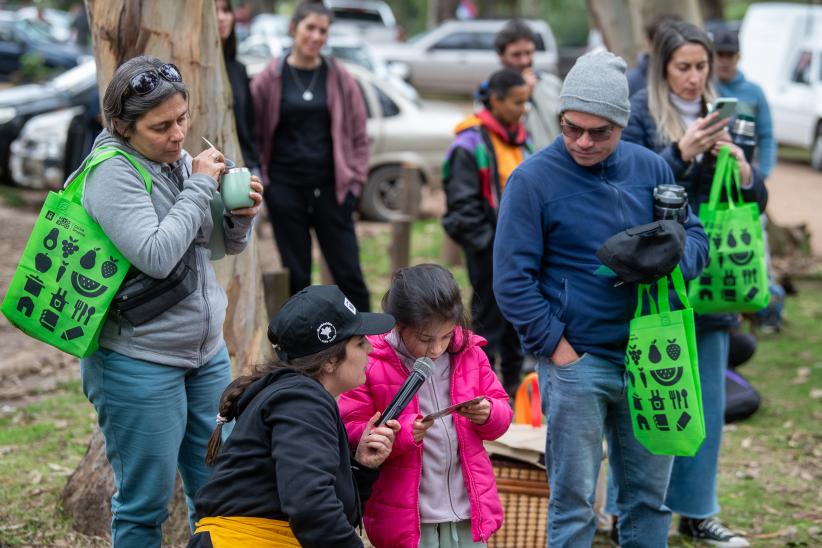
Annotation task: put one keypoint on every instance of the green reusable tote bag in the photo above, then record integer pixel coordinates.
(736, 277)
(69, 271)
(664, 394)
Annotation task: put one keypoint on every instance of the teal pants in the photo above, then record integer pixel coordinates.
(456, 534)
(155, 419)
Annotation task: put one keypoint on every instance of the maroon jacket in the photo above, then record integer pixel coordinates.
(348, 116)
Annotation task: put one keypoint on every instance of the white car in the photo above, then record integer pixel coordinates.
(37, 157)
(458, 55)
(400, 131)
(781, 50)
(371, 20)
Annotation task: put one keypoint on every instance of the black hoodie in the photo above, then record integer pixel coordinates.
(288, 459)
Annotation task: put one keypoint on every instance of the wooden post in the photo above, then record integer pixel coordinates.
(401, 228)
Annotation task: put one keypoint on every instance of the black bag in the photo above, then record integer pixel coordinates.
(741, 399)
(142, 298)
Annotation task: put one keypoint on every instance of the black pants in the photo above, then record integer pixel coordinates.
(293, 210)
(487, 320)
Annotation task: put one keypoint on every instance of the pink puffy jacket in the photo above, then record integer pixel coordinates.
(392, 516)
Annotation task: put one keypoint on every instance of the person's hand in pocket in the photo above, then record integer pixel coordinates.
(564, 353)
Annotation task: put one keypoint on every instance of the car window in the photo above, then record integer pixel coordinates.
(458, 40)
(540, 43)
(484, 40)
(357, 15)
(37, 32)
(802, 71)
(389, 108)
(6, 33)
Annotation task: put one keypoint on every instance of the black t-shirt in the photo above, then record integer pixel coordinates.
(302, 148)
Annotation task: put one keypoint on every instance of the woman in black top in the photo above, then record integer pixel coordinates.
(310, 116)
(286, 475)
(240, 92)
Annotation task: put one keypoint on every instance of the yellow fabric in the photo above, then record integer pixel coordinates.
(241, 532)
(508, 158)
(469, 122)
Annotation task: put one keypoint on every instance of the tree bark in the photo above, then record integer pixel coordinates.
(185, 34)
(622, 22)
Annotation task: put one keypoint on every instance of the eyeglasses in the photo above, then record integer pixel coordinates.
(597, 134)
(147, 81)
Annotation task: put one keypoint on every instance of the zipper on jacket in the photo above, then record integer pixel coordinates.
(450, 462)
(467, 473)
(202, 275)
(618, 196)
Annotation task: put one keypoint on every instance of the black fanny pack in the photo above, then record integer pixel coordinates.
(142, 298)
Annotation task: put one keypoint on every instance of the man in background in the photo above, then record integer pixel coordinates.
(516, 44)
(752, 102)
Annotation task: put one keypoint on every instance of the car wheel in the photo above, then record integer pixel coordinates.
(816, 149)
(380, 200)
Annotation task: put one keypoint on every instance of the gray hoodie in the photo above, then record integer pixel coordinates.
(153, 232)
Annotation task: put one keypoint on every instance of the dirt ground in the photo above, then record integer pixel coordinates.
(29, 368)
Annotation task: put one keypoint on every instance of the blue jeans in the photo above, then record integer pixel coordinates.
(692, 490)
(154, 418)
(586, 401)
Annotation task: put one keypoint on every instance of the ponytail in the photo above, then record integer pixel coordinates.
(310, 366)
(227, 411)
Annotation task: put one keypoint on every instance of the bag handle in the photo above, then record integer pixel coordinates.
(97, 157)
(726, 176)
(663, 301)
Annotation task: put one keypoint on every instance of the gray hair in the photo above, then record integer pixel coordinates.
(670, 37)
(122, 103)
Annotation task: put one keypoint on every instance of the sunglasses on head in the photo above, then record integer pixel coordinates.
(147, 81)
(596, 134)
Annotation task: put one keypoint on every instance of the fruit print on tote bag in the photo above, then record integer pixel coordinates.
(69, 271)
(664, 394)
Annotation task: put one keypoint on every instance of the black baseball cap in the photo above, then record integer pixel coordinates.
(726, 41)
(320, 316)
(645, 253)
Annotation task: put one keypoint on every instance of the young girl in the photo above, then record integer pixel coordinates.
(437, 487)
(286, 475)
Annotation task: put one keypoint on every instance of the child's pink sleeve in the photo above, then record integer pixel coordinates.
(501, 413)
(356, 409)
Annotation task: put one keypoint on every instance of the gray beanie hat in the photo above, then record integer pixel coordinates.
(597, 85)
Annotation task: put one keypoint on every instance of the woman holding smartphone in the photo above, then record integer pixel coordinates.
(671, 117)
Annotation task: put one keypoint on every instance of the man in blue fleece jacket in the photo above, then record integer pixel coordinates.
(559, 207)
(752, 101)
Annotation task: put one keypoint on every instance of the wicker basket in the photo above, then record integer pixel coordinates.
(524, 491)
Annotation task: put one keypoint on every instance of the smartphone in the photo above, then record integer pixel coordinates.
(453, 408)
(726, 106)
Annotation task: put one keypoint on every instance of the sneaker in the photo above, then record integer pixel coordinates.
(710, 530)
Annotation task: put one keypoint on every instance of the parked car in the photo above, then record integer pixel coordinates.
(458, 55)
(38, 155)
(20, 103)
(781, 50)
(400, 132)
(20, 37)
(371, 20)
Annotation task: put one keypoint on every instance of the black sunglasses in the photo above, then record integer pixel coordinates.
(147, 81)
(596, 134)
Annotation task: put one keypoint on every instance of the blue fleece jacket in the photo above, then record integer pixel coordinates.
(752, 101)
(554, 216)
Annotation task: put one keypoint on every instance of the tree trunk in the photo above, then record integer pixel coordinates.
(622, 22)
(186, 35)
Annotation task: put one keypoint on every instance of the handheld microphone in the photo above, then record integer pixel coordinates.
(422, 370)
